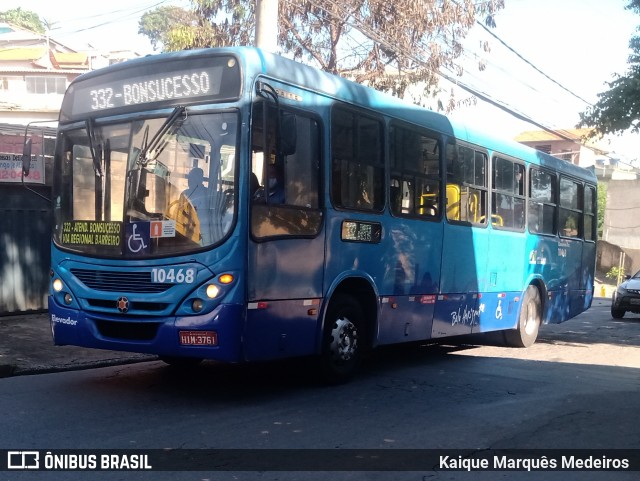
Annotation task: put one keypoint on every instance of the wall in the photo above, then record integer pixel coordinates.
(622, 215)
(608, 256)
(25, 256)
(25, 226)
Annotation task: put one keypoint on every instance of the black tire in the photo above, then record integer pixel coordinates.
(181, 362)
(617, 313)
(529, 320)
(343, 339)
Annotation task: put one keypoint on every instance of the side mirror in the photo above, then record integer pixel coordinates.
(26, 157)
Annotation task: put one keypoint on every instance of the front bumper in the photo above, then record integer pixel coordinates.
(150, 335)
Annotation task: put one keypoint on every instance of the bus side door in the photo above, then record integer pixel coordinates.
(286, 245)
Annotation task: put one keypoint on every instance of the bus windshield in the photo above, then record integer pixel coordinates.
(152, 187)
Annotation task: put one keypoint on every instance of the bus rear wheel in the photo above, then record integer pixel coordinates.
(529, 320)
(343, 339)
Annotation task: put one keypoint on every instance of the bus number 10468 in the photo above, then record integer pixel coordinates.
(170, 275)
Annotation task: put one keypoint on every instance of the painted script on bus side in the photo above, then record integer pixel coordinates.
(467, 316)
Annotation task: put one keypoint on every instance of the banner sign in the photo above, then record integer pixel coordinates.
(11, 169)
(419, 460)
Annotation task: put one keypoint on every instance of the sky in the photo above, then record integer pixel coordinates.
(580, 44)
(108, 25)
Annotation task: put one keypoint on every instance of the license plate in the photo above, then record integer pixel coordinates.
(198, 338)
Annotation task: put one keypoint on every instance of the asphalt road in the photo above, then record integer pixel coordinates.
(578, 387)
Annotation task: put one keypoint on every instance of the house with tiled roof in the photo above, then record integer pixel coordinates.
(567, 144)
(576, 146)
(35, 71)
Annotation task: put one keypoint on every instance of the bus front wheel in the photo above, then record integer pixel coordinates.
(529, 320)
(343, 339)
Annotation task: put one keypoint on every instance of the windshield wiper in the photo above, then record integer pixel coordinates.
(150, 148)
(91, 133)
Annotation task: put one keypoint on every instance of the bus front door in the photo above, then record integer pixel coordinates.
(284, 291)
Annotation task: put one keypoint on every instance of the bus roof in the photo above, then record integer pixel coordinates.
(347, 90)
(259, 62)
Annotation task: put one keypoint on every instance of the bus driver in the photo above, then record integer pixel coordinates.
(198, 196)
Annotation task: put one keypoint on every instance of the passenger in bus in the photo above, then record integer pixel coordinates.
(255, 184)
(275, 187)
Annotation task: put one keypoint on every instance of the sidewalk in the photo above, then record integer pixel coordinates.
(26, 347)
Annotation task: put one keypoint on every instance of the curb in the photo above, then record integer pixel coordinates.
(7, 370)
(11, 370)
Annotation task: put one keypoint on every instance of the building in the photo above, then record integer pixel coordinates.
(570, 145)
(35, 71)
(621, 227)
(566, 144)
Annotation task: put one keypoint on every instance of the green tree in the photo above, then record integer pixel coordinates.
(618, 109)
(159, 24)
(210, 23)
(23, 19)
(388, 45)
(602, 205)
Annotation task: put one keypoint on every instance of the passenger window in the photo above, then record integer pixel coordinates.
(415, 173)
(570, 208)
(466, 185)
(590, 211)
(357, 161)
(543, 206)
(507, 195)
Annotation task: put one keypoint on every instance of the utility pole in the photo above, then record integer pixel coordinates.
(267, 25)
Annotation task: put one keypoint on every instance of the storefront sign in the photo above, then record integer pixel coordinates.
(11, 169)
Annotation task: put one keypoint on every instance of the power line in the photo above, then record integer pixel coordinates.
(508, 47)
(124, 14)
(376, 37)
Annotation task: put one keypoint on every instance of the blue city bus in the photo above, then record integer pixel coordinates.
(234, 205)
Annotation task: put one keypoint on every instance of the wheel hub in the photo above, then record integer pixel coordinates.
(344, 340)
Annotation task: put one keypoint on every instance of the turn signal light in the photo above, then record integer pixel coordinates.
(225, 279)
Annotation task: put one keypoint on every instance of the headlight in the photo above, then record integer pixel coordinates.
(197, 305)
(57, 285)
(212, 291)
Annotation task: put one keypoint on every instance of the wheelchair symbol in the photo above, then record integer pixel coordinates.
(137, 239)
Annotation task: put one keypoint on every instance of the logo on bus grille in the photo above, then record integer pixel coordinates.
(123, 304)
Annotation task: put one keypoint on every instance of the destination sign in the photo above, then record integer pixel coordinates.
(152, 90)
(142, 84)
(91, 233)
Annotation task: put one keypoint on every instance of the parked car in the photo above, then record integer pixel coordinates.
(626, 297)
